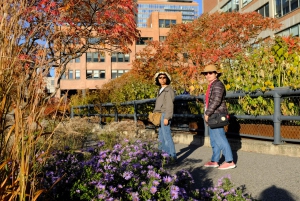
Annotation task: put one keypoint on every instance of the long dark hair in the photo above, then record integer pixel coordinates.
(157, 82)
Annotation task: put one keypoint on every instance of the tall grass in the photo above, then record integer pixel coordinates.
(22, 104)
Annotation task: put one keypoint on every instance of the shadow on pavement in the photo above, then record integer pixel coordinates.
(273, 193)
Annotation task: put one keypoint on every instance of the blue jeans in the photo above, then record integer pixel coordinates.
(165, 138)
(219, 142)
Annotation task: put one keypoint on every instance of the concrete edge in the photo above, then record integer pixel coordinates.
(248, 145)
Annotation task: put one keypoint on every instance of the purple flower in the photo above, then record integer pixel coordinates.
(165, 155)
(135, 196)
(151, 173)
(167, 179)
(153, 189)
(150, 167)
(155, 183)
(127, 175)
(174, 194)
(101, 196)
(100, 186)
(77, 191)
(101, 144)
(117, 146)
(174, 188)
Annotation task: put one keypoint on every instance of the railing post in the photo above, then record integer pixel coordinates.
(116, 114)
(206, 133)
(72, 112)
(100, 116)
(276, 119)
(135, 112)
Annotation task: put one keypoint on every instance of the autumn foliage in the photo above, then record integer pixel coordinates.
(212, 38)
(36, 35)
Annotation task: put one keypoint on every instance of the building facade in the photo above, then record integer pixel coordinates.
(154, 19)
(286, 11)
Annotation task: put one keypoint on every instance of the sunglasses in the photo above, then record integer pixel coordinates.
(162, 77)
(205, 73)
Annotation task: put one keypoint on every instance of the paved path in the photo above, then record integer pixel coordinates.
(266, 177)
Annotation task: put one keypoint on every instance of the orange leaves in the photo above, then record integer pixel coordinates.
(208, 39)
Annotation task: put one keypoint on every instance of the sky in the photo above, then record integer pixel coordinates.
(200, 6)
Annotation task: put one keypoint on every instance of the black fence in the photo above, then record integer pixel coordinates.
(276, 127)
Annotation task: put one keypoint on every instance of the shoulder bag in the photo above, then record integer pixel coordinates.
(218, 120)
(155, 118)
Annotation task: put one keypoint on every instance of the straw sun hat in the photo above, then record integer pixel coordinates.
(161, 73)
(211, 68)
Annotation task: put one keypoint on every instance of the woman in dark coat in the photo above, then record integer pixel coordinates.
(215, 103)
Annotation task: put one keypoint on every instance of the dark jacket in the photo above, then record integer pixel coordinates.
(216, 99)
(164, 102)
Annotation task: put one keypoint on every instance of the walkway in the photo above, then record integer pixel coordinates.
(266, 177)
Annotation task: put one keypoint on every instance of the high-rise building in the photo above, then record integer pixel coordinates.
(187, 8)
(286, 11)
(154, 19)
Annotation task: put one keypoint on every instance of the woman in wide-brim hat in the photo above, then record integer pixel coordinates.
(211, 69)
(215, 103)
(164, 104)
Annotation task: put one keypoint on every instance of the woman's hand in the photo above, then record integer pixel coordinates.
(166, 122)
(206, 118)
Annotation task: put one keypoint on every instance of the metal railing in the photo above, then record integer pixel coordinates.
(276, 118)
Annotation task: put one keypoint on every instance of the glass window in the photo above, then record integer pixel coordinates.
(95, 74)
(102, 57)
(245, 2)
(267, 13)
(89, 74)
(278, 9)
(70, 74)
(94, 40)
(235, 5)
(295, 30)
(95, 57)
(126, 57)
(264, 10)
(167, 23)
(120, 72)
(117, 73)
(52, 82)
(286, 33)
(89, 57)
(77, 60)
(162, 38)
(143, 40)
(102, 74)
(114, 57)
(120, 57)
(294, 4)
(162, 23)
(114, 74)
(63, 76)
(77, 74)
(285, 7)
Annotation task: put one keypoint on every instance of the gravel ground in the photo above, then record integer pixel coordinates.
(265, 177)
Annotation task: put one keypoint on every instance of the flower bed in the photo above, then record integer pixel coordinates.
(129, 171)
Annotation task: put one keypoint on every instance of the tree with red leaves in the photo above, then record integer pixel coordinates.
(36, 35)
(212, 38)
